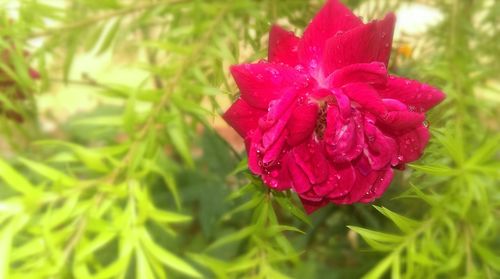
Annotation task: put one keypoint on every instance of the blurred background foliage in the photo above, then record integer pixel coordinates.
(116, 164)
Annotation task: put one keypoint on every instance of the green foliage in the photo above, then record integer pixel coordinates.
(143, 185)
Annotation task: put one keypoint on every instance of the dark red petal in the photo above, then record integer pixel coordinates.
(310, 158)
(418, 96)
(301, 183)
(394, 105)
(311, 206)
(272, 152)
(277, 176)
(302, 123)
(366, 97)
(261, 83)
(283, 46)
(341, 180)
(343, 137)
(371, 73)
(365, 177)
(402, 120)
(243, 117)
(364, 44)
(254, 151)
(412, 144)
(332, 18)
(381, 150)
(379, 186)
(274, 123)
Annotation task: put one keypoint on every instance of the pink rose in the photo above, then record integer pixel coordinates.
(323, 117)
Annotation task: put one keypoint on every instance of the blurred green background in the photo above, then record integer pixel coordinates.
(115, 162)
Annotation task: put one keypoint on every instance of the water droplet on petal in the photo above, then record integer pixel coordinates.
(299, 68)
(274, 184)
(300, 100)
(426, 123)
(313, 63)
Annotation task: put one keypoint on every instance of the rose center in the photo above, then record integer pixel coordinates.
(320, 128)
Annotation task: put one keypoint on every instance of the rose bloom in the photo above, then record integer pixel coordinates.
(323, 117)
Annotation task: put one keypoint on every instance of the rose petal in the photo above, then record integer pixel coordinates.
(412, 144)
(363, 44)
(277, 176)
(343, 137)
(254, 151)
(242, 117)
(343, 103)
(419, 97)
(301, 183)
(371, 73)
(402, 120)
(332, 18)
(261, 83)
(379, 186)
(366, 97)
(365, 177)
(311, 206)
(381, 149)
(302, 123)
(277, 118)
(283, 46)
(274, 150)
(309, 157)
(393, 104)
(340, 181)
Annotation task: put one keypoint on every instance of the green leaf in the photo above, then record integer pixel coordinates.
(242, 166)
(378, 240)
(110, 35)
(218, 267)
(403, 223)
(6, 235)
(95, 244)
(287, 205)
(91, 158)
(168, 217)
(143, 269)
(108, 120)
(381, 267)
(233, 237)
(252, 203)
(50, 173)
(438, 170)
(179, 140)
(488, 256)
(166, 257)
(114, 269)
(15, 180)
(489, 149)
